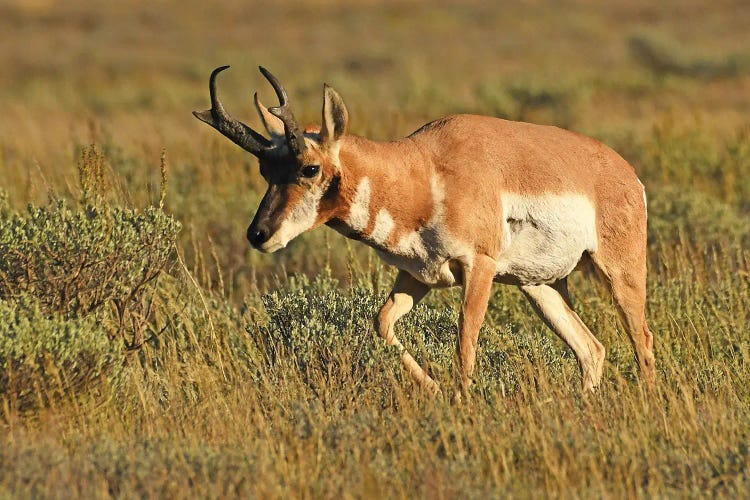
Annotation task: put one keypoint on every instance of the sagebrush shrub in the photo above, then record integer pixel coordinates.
(324, 330)
(310, 322)
(74, 280)
(43, 354)
(321, 329)
(74, 261)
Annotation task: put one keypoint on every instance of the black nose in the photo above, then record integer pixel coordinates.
(257, 235)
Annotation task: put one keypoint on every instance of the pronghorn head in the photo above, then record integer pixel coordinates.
(302, 168)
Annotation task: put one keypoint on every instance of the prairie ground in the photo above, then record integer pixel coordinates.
(146, 351)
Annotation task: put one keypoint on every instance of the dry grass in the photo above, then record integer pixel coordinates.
(238, 393)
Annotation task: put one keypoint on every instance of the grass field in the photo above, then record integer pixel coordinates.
(146, 351)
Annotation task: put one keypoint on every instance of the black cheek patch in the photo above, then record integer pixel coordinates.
(333, 189)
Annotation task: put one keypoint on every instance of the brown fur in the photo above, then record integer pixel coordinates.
(478, 159)
(469, 162)
(482, 157)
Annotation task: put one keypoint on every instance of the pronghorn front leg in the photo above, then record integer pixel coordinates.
(477, 286)
(406, 293)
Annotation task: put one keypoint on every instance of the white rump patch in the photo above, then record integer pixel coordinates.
(645, 202)
(383, 226)
(359, 213)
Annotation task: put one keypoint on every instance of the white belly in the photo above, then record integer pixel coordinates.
(425, 256)
(545, 236)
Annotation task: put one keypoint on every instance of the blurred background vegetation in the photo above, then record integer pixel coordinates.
(145, 350)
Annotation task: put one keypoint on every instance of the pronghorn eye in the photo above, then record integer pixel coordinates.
(310, 170)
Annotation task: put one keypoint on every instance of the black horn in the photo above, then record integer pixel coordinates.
(236, 131)
(294, 135)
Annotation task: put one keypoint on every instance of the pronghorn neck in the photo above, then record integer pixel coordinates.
(385, 191)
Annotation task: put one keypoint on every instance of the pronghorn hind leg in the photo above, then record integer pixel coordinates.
(628, 284)
(406, 293)
(552, 304)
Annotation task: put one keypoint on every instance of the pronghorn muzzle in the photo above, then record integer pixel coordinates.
(257, 235)
(267, 218)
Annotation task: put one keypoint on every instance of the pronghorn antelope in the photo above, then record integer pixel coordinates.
(465, 200)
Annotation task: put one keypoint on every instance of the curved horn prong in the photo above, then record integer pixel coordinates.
(295, 138)
(236, 131)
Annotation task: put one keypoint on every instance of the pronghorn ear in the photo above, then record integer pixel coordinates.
(335, 116)
(274, 125)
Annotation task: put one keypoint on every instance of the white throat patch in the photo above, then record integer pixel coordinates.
(383, 226)
(359, 213)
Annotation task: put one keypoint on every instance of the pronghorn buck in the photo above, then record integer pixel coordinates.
(465, 200)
